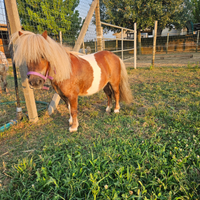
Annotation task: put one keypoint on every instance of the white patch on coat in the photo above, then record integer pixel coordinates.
(96, 73)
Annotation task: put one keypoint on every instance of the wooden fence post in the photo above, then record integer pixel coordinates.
(54, 103)
(83, 47)
(56, 98)
(197, 41)
(135, 45)
(122, 43)
(95, 45)
(167, 43)
(98, 28)
(154, 42)
(14, 21)
(60, 34)
(85, 26)
(116, 47)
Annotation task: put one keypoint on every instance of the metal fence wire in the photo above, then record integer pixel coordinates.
(173, 49)
(8, 104)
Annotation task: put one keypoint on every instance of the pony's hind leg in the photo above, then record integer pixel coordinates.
(117, 106)
(108, 91)
(70, 118)
(115, 88)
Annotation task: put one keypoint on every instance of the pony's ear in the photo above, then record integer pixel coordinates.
(20, 33)
(44, 34)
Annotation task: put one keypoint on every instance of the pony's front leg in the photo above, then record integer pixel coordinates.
(73, 121)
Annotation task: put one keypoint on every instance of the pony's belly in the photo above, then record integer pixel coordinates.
(88, 94)
(94, 88)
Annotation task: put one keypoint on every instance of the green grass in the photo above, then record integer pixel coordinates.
(8, 100)
(150, 150)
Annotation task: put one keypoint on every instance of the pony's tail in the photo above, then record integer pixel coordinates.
(124, 87)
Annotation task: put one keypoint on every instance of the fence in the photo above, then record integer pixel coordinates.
(8, 103)
(122, 49)
(171, 49)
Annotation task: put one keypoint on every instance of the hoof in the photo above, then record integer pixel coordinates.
(108, 109)
(116, 111)
(72, 129)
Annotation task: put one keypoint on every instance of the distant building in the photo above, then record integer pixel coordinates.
(190, 29)
(119, 35)
(197, 27)
(174, 32)
(130, 35)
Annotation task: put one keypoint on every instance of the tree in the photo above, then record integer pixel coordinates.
(196, 10)
(125, 13)
(51, 15)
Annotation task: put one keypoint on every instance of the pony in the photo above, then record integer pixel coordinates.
(3, 71)
(70, 73)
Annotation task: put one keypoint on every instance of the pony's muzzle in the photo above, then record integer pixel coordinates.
(36, 81)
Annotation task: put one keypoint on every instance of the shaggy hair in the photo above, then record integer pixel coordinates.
(31, 47)
(124, 87)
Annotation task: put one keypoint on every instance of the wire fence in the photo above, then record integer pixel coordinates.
(174, 49)
(7, 100)
(42, 97)
(171, 50)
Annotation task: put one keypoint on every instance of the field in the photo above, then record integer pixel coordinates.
(150, 150)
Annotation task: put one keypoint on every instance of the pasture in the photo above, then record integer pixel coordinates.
(150, 150)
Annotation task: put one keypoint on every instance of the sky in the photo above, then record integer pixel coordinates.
(83, 9)
(2, 13)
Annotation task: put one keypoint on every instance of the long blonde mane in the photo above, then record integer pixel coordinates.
(30, 47)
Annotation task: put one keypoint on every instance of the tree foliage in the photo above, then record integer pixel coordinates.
(125, 13)
(50, 15)
(196, 10)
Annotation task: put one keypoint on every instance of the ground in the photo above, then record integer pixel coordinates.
(149, 150)
(175, 60)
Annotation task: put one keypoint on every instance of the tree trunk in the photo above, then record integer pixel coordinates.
(159, 31)
(139, 51)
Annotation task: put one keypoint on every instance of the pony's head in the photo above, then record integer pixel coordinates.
(38, 69)
(43, 57)
(38, 73)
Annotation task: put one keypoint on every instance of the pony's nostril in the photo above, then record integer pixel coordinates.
(39, 82)
(31, 83)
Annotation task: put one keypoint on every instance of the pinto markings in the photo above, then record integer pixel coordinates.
(96, 73)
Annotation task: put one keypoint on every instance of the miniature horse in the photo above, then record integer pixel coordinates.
(71, 74)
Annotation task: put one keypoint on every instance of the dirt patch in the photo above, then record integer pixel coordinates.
(161, 60)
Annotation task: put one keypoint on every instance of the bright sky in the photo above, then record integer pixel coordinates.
(83, 9)
(2, 13)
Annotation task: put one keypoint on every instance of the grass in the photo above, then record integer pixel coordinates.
(8, 100)
(150, 150)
